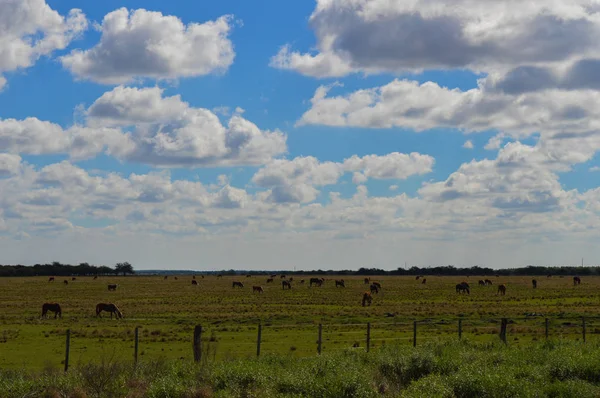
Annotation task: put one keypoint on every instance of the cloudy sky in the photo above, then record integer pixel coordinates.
(276, 134)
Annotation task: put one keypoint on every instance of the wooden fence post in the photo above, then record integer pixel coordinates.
(258, 338)
(320, 341)
(67, 350)
(460, 329)
(136, 345)
(503, 330)
(546, 327)
(368, 336)
(197, 343)
(583, 327)
(414, 333)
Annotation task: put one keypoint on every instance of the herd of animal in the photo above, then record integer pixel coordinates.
(367, 296)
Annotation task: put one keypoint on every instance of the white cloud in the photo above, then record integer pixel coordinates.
(30, 29)
(468, 144)
(9, 164)
(144, 44)
(394, 187)
(399, 36)
(391, 166)
(594, 168)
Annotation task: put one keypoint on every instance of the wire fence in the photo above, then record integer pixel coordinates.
(224, 342)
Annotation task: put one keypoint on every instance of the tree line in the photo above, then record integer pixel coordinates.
(57, 269)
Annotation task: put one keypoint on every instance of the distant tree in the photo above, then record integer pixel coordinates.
(124, 268)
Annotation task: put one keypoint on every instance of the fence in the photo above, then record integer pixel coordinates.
(322, 338)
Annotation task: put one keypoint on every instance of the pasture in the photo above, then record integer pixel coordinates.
(167, 311)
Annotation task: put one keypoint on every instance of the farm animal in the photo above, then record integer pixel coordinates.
(374, 288)
(112, 287)
(340, 283)
(576, 281)
(534, 283)
(257, 289)
(195, 282)
(463, 287)
(238, 284)
(367, 298)
(108, 307)
(501, 290)
(51, 279)
(285, 284)
(54, 307)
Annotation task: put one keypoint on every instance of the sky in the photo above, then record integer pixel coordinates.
(327, 134)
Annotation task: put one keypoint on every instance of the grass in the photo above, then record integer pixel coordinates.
(452, 369)
(167, 311)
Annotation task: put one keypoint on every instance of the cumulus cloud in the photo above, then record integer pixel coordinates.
(468, 144)
(144, 44)
(9, 164)
(391, 166)
(400, 36)
(30, 29)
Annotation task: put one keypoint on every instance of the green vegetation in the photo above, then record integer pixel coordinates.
(457, 369)
(166, 312)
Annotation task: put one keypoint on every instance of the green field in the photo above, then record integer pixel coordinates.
(167, 311)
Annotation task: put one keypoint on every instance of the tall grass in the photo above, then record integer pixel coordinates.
(454, 369)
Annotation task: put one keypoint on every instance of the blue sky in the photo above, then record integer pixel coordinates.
(272, 128)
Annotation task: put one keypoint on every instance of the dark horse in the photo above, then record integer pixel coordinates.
(257, 289)
(194, 282)
(113, 309)
(534, 283)
(54, 307)
(238, 284)
(269, 280)
(501, 290)
(367, 281)
(316, 281)
(367, 298)
(424, 281)
(462, 288)
(374, 288)
(481, 283)
(285, 284)
(51, 279)
(340, 283)
(576, 281)
(112, 287)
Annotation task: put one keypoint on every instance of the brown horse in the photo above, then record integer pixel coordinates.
(501, 290)
(377, 284)
(417, 277)
(576, 281)
(270, 280)
(367, 298)
(534, 283)
(273, 275)
(488, 282)
(113, 309)
(194, 282)
(248, 276)
(285, 284)
(424, 281)
(282, 276)
(481, 283)
(340, 283)
(66, 282)
(238, 284)
(51, 279)
(73, 278)
(257, 289)
(463, 287)
(112, 287)
(166, 277)
(54, 307)
(175, 277)
(219, 276)
(316, 281)
(95, 277)
(374, 288)
(301, 280)
(193, 276)
(367, 281)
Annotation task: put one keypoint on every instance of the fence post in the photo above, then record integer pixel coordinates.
(503, 330)
(583, 327)
(368, 336)
(67, 350)
(197, 343)
(414, 333)
(546, 325)
(136, 345)
(320, 341)
(460, 329)
(258, 338)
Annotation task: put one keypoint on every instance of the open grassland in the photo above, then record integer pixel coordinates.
(441, 370)
(167, 311)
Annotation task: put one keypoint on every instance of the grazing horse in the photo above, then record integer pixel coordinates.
(301, 280)
(424, 281)
(248, 276)
(273, 275)
(367, 298)
(282, 276)
(238, 284)
(257, 289)
(291, 279)
(501, 290)
(549, 276)
(202, 276)
(462, 288)
(374, 288)
(113, 309)
(73, 278)
(194, 282)
(377, 284)
(66, 282)
(340, 283)
(112, 287)
(286, 283)
(165, 278)
(316, 281)
(95, 277)
(54, 307)
(534, 283)
(193, 276)
(417, 277)
(51, 279)
(488, 282)
(270, 280)
(367, 281)
(481, 283)
(576, 281)
(219, 276)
